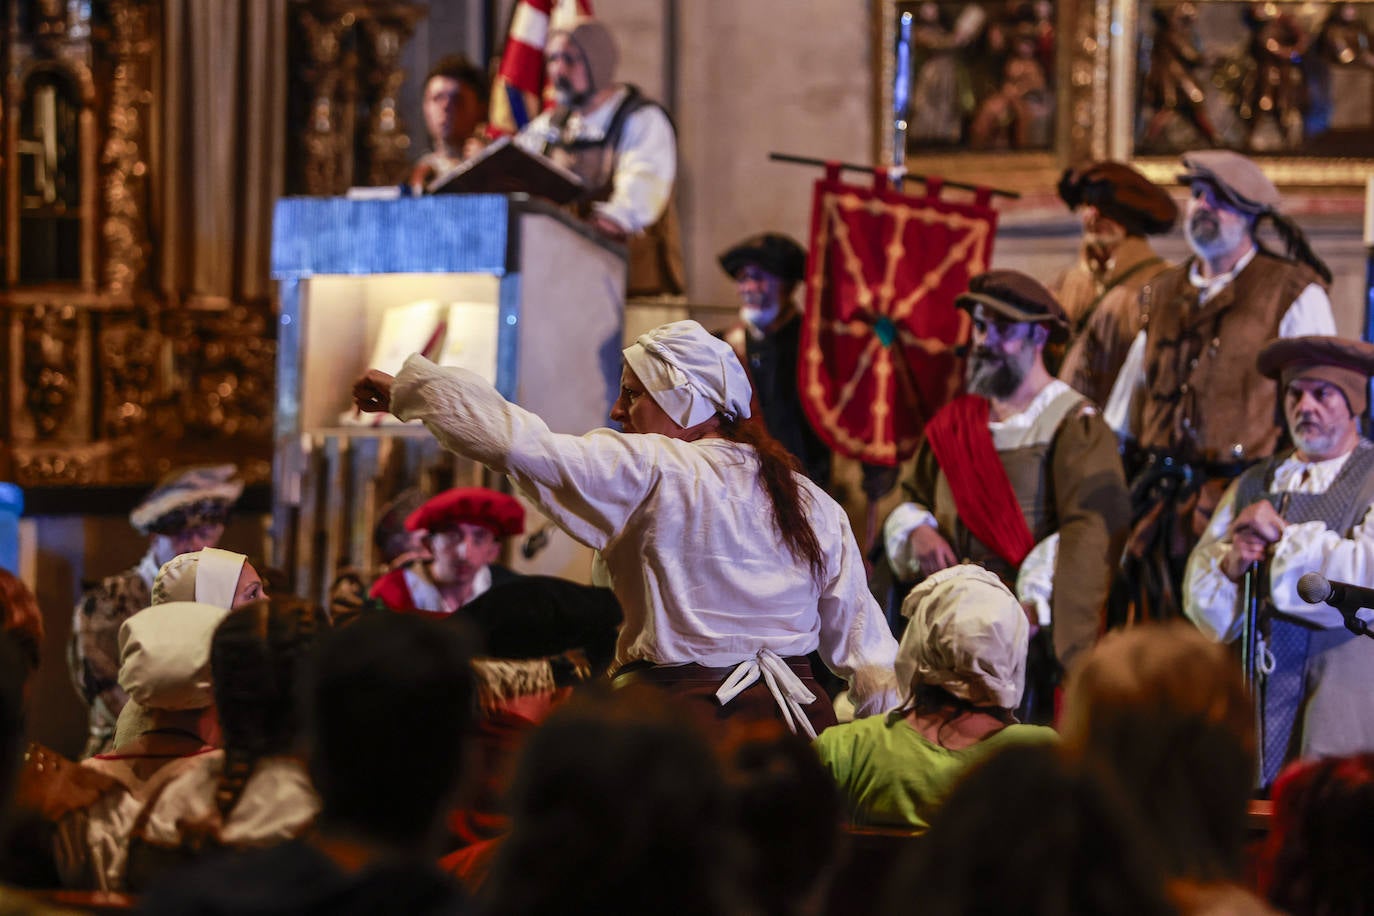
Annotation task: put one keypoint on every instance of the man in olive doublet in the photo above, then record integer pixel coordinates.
(1021, 476)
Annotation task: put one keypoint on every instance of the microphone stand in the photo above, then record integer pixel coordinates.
(1354, 624)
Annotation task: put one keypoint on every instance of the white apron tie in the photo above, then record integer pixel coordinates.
(788, 691)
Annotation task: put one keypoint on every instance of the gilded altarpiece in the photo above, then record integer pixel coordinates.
(106, 381)
(118, 361)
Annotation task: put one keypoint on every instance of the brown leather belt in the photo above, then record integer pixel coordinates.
(643, 670)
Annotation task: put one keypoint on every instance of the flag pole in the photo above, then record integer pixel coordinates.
(906, 176)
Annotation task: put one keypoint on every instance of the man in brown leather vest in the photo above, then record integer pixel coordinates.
(1100, 293)
(1021, 476)
(1306, 509)
(1189, 395)
(622, 146)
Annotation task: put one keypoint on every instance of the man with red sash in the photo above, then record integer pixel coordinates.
(1022, 476)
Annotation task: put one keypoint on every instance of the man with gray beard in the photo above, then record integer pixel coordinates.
(1189, 395)
(1022, 476)
(1306, 509)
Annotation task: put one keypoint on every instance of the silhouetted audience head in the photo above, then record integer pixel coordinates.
(257, 659)
(1322, 841)
(1027, 832)
(21, 617)
(617, 802)
(788, 812)
(389, 707)
(537, 616)
(1163, 710)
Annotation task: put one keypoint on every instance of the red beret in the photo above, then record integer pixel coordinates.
(500, 513)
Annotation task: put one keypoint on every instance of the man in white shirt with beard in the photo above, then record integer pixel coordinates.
(1303, 510)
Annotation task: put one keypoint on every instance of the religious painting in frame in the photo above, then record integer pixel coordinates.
(1290, 84)
(1001, 90)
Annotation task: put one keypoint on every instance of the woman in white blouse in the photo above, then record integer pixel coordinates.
(730, 566)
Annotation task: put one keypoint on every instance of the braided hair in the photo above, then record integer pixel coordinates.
(256, 658)
(779, 475)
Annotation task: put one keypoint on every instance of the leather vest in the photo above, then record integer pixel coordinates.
(1205, 400)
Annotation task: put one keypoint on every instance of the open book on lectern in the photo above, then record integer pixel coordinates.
(504, 168)
(462, 334)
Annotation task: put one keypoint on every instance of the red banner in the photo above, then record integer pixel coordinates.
(880, 327)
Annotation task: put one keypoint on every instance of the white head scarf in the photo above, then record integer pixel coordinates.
(164, 655)
(968, 635)
(690, 373)
(210, 576)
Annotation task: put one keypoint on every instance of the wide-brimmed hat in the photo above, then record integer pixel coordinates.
(1122, 194)
(1347, 364)
(1017, 297)
(778, 254)
(1238, 181)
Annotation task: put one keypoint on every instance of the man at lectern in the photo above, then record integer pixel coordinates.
(621, 144)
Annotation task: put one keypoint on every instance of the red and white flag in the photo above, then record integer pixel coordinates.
(518, 92)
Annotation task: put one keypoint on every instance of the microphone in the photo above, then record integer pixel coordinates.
(1314, 588)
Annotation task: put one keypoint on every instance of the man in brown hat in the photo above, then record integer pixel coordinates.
(767, 269)
(1022, 476)
(1189, 394)
(1307, 509)
(1119, 208)
(621, 144)
(185, 512)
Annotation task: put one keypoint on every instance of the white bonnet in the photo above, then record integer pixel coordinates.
(967, 634)
(690, 373)
(210, 576)
(164, 655)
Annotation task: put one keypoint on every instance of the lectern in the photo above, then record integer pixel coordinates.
(539, 289)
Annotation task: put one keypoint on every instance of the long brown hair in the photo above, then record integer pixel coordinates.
(779, 477)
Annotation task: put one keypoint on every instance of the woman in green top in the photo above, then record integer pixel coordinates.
(964, 656)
